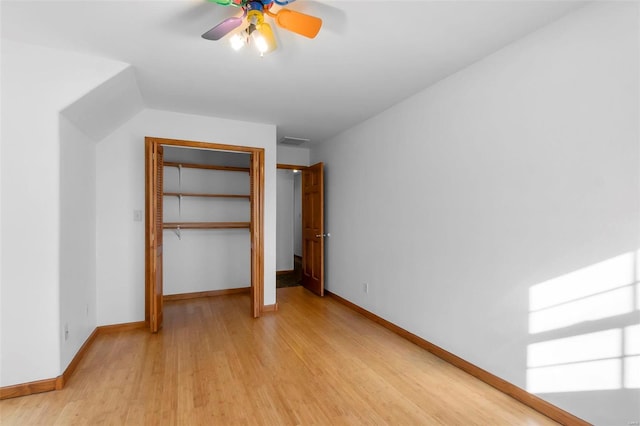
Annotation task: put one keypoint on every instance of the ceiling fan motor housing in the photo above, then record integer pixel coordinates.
(255, 5)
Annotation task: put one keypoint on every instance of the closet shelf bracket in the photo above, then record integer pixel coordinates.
(178, 233)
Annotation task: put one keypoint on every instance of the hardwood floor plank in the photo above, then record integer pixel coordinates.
(313, 362)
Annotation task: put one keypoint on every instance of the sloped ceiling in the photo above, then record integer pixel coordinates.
(368, 56)
(107, 107)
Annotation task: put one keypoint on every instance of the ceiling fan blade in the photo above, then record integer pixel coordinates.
(223, 28)
(299, 23)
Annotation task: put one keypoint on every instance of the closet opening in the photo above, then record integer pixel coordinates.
(204, 223)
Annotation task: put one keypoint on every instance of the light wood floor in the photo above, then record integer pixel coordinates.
(313, 362)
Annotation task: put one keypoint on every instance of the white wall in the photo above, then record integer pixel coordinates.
(212, 259)
(296, 155)
(120, 191)
(523, 167)
(1, 221)
(32, 96)
(77, 239)
(46, 176)
(299, 156)
(284, 221)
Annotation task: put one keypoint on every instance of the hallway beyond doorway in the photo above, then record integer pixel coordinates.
(291, 278)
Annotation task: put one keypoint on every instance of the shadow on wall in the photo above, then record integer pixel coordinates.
(585, 329)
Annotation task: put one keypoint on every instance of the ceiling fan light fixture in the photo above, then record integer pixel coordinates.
(259, 32)
(269, 37)
(237, 41)
(259, 41)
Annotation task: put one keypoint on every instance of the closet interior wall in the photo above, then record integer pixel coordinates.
(207, 259)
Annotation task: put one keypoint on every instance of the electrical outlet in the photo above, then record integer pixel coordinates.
(365, 287)
(66, 331)
(137, 215)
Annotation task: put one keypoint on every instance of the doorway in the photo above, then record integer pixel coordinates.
(289, 226)
(312, 225)
(155, 225)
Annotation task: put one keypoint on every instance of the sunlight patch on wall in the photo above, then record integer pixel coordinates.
(577, 363)
(632, 372)
(604, 305)
(632, 340)
(597, 278)
(598, 291)
(586, 347)
(602, 360)
(587, 362)
(583, 376)
(632, 359)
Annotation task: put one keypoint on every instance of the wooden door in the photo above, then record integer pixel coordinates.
(154, 181)
(313, 228)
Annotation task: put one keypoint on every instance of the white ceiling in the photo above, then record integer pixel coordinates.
(368, 56)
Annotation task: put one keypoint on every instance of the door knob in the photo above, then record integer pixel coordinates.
(327, 235)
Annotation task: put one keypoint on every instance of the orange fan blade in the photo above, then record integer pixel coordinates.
(299, 23)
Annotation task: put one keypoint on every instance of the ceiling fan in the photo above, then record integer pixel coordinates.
(254, 29)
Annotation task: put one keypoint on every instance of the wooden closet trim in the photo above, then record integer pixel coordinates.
(290, 166)
(256, 173)
(257, 232)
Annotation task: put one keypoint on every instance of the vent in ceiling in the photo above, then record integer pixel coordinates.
(288, 140)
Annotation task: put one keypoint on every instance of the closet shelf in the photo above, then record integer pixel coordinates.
(206, 225)
(190, 194)
(208, 167)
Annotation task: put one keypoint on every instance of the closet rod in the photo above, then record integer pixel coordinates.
(186, 194)
(206, 166)
(206, 225)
